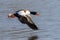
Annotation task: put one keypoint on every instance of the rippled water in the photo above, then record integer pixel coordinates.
(48, 22)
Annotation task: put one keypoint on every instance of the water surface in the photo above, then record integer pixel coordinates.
(48, 22)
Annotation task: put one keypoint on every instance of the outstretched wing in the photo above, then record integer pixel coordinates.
(32, 26)
(27, 20)
(30, 23)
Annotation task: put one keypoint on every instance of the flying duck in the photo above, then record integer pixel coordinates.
(24, 17)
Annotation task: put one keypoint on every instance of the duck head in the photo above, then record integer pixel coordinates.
(11, 15)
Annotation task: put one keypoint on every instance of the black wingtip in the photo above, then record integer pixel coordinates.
(35, 27)
(32, 26)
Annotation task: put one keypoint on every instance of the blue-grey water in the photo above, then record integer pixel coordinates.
(48, 21)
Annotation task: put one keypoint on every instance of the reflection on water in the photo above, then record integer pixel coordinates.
(35, 37)
(16, 34)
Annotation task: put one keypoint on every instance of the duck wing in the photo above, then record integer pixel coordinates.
(27, 20)
(30, 23)
(32, 26)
